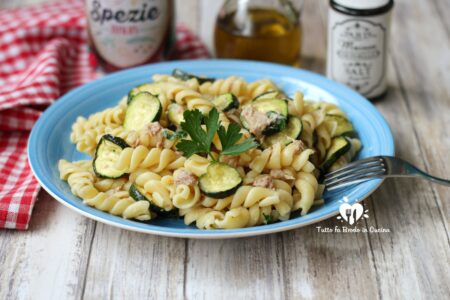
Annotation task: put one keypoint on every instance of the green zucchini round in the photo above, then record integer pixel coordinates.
(219, 181)
(143, 109)
(275, 109)
(339, 146)
(344, 127)
(267, 95)
(106, 155)
(292, 132)
(152, 88)
(225, 102)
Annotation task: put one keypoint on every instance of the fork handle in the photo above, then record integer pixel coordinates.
(413, 171)
(434, 178)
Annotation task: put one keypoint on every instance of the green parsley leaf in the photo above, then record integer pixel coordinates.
(201, 140)
(229, 138)
(240, 148)
(192, 124)
(189, 148)
(212, 124)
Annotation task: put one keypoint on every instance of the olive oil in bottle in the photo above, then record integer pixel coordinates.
(256, 33)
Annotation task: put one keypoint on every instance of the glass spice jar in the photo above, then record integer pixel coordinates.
(358, 32)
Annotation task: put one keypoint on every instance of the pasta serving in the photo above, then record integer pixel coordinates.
(221, 153)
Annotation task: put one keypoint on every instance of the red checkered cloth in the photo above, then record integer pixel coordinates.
(43, 54)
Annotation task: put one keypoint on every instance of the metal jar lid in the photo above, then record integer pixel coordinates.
(362, 7)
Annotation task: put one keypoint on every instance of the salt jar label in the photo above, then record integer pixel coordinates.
(358, 54)
(127, 33)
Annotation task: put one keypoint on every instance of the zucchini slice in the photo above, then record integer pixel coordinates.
(175, 113)
(143, 109)
(265, 116)
(292, 132)
(279, 123)
(219, 181)
(279, 106)
(339, 146)
(344, 127)
(140, 194)
(267, 95)
(225, 102)
(106, 155)
(182, 75)
(152, 88)
(348, 156)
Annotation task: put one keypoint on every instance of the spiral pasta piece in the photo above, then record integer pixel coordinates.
(205, 218)
(66, 168)
(296, 106)
(111, 117)
(306, 184)
(82, 184)
(184, 95)
(158, 189)
(259, 87)
(323, 140)
(186, 196)
(232, 84)
(217, 204)
(194, 100)
(114, 202)
(332, 109)
(104, 184)
(279, 156)
(120, 204)
(191, 83)
(86, 136)
(197, 165)
(234, 218)
(153, 159)
(248, 196)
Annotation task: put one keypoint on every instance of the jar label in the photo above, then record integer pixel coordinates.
(358, 54)
(127, 33)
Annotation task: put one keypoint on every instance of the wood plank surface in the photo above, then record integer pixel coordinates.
(130, 265)
(66, 256)
(50, 260)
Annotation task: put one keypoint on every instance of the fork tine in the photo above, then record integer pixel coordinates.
(353, 180)
(357, 168)
(348, 183)
(351, 177)
(355, 172)
(362, 163)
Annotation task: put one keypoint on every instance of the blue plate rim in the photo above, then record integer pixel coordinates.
(307, 76)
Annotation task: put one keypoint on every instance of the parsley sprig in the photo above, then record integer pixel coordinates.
(201, 139)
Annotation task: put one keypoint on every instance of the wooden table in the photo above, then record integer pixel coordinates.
(64, 255)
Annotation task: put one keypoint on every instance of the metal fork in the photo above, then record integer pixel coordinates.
(376, 167)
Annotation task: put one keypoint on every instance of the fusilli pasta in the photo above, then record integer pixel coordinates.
(154, 179)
